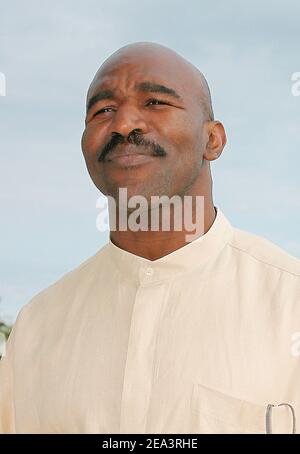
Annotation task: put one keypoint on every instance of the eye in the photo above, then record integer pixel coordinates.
(156, 102)
(104, 110)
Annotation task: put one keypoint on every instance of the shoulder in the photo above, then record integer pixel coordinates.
(57, 296)
(263, 253)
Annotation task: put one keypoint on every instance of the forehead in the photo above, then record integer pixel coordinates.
(125, 72)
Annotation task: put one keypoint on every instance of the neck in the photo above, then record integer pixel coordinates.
(152, 244)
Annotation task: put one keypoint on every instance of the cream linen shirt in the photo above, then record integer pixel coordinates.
(198, 341)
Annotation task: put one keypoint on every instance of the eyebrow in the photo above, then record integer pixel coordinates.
(147, 87)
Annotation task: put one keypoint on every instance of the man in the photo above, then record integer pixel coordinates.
(154, 333)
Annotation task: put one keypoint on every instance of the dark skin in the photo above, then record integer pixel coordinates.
(179, 121)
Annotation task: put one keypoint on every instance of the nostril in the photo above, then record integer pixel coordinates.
(135, 137)
(134, 133)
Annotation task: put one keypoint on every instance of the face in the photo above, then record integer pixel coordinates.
(143, 128)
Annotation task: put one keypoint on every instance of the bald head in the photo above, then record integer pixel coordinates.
(170, 63)
(147, 100)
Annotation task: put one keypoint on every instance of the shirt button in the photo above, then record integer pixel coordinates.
(149, 271)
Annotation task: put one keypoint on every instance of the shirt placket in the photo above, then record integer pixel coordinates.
(141, 352)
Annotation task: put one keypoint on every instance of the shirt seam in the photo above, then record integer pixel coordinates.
(264, 261)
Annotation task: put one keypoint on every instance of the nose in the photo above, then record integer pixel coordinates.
(126, 119)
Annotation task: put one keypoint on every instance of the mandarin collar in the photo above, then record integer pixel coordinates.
(195, 254)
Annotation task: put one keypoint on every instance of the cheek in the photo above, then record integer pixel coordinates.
(188, 151)
(89, 148)
(187, 146)
(180, 132)
(86, 144)
(90, 141)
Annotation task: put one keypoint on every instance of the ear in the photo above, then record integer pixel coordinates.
(215, 140)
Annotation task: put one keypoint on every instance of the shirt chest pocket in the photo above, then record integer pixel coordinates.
(216, 413)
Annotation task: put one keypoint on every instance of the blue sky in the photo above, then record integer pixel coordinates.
(49, 52)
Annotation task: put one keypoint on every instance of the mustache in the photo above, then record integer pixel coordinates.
(135, 139)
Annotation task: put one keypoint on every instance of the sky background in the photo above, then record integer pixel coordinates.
(49, 52)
